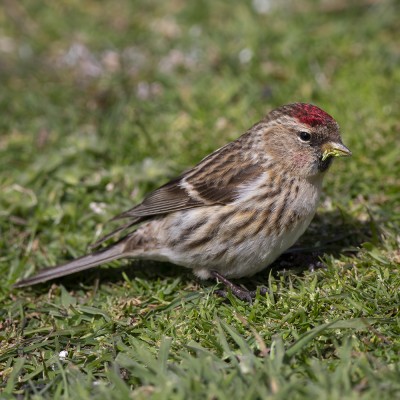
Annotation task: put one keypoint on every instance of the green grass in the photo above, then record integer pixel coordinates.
(101, 103)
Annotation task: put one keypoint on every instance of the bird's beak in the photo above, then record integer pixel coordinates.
(334, 149)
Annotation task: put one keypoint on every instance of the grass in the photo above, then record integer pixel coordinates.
(103, 102)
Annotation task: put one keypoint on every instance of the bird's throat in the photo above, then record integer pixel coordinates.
(324, 165)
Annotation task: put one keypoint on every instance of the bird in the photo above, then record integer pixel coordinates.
(236, 211)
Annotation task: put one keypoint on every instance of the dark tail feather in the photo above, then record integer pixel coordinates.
(80, 264)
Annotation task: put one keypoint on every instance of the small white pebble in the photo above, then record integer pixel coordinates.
(62, 355)
(110, 186)
(245, 55)
(97, 208)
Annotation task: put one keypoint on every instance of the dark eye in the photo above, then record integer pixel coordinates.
(305, 136)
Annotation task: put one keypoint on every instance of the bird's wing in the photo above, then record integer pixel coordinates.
(214, 181)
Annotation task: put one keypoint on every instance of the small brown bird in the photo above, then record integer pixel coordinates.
(237, 210)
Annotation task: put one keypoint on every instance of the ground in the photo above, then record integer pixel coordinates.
(103, 101)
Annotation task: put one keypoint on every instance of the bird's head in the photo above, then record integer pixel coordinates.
(304, 138)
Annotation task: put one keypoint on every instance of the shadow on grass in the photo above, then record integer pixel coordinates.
(331, 234)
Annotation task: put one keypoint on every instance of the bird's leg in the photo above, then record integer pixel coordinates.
(238, 291)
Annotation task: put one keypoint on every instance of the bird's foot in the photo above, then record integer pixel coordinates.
(238, 291)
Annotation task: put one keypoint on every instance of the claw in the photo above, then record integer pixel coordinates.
(238, 291)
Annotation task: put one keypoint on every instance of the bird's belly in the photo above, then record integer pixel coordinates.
(256, 253)
(232, 247)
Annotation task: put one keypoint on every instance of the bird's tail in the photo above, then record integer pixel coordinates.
(108, 254)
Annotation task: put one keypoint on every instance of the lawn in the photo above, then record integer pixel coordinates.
(102, 102)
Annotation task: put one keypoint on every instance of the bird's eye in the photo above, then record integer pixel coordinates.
(305, 136)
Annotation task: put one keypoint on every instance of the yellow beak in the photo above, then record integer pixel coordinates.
(334, 149)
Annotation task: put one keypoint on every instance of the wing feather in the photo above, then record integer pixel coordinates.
(215, 180)
(168, 198)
